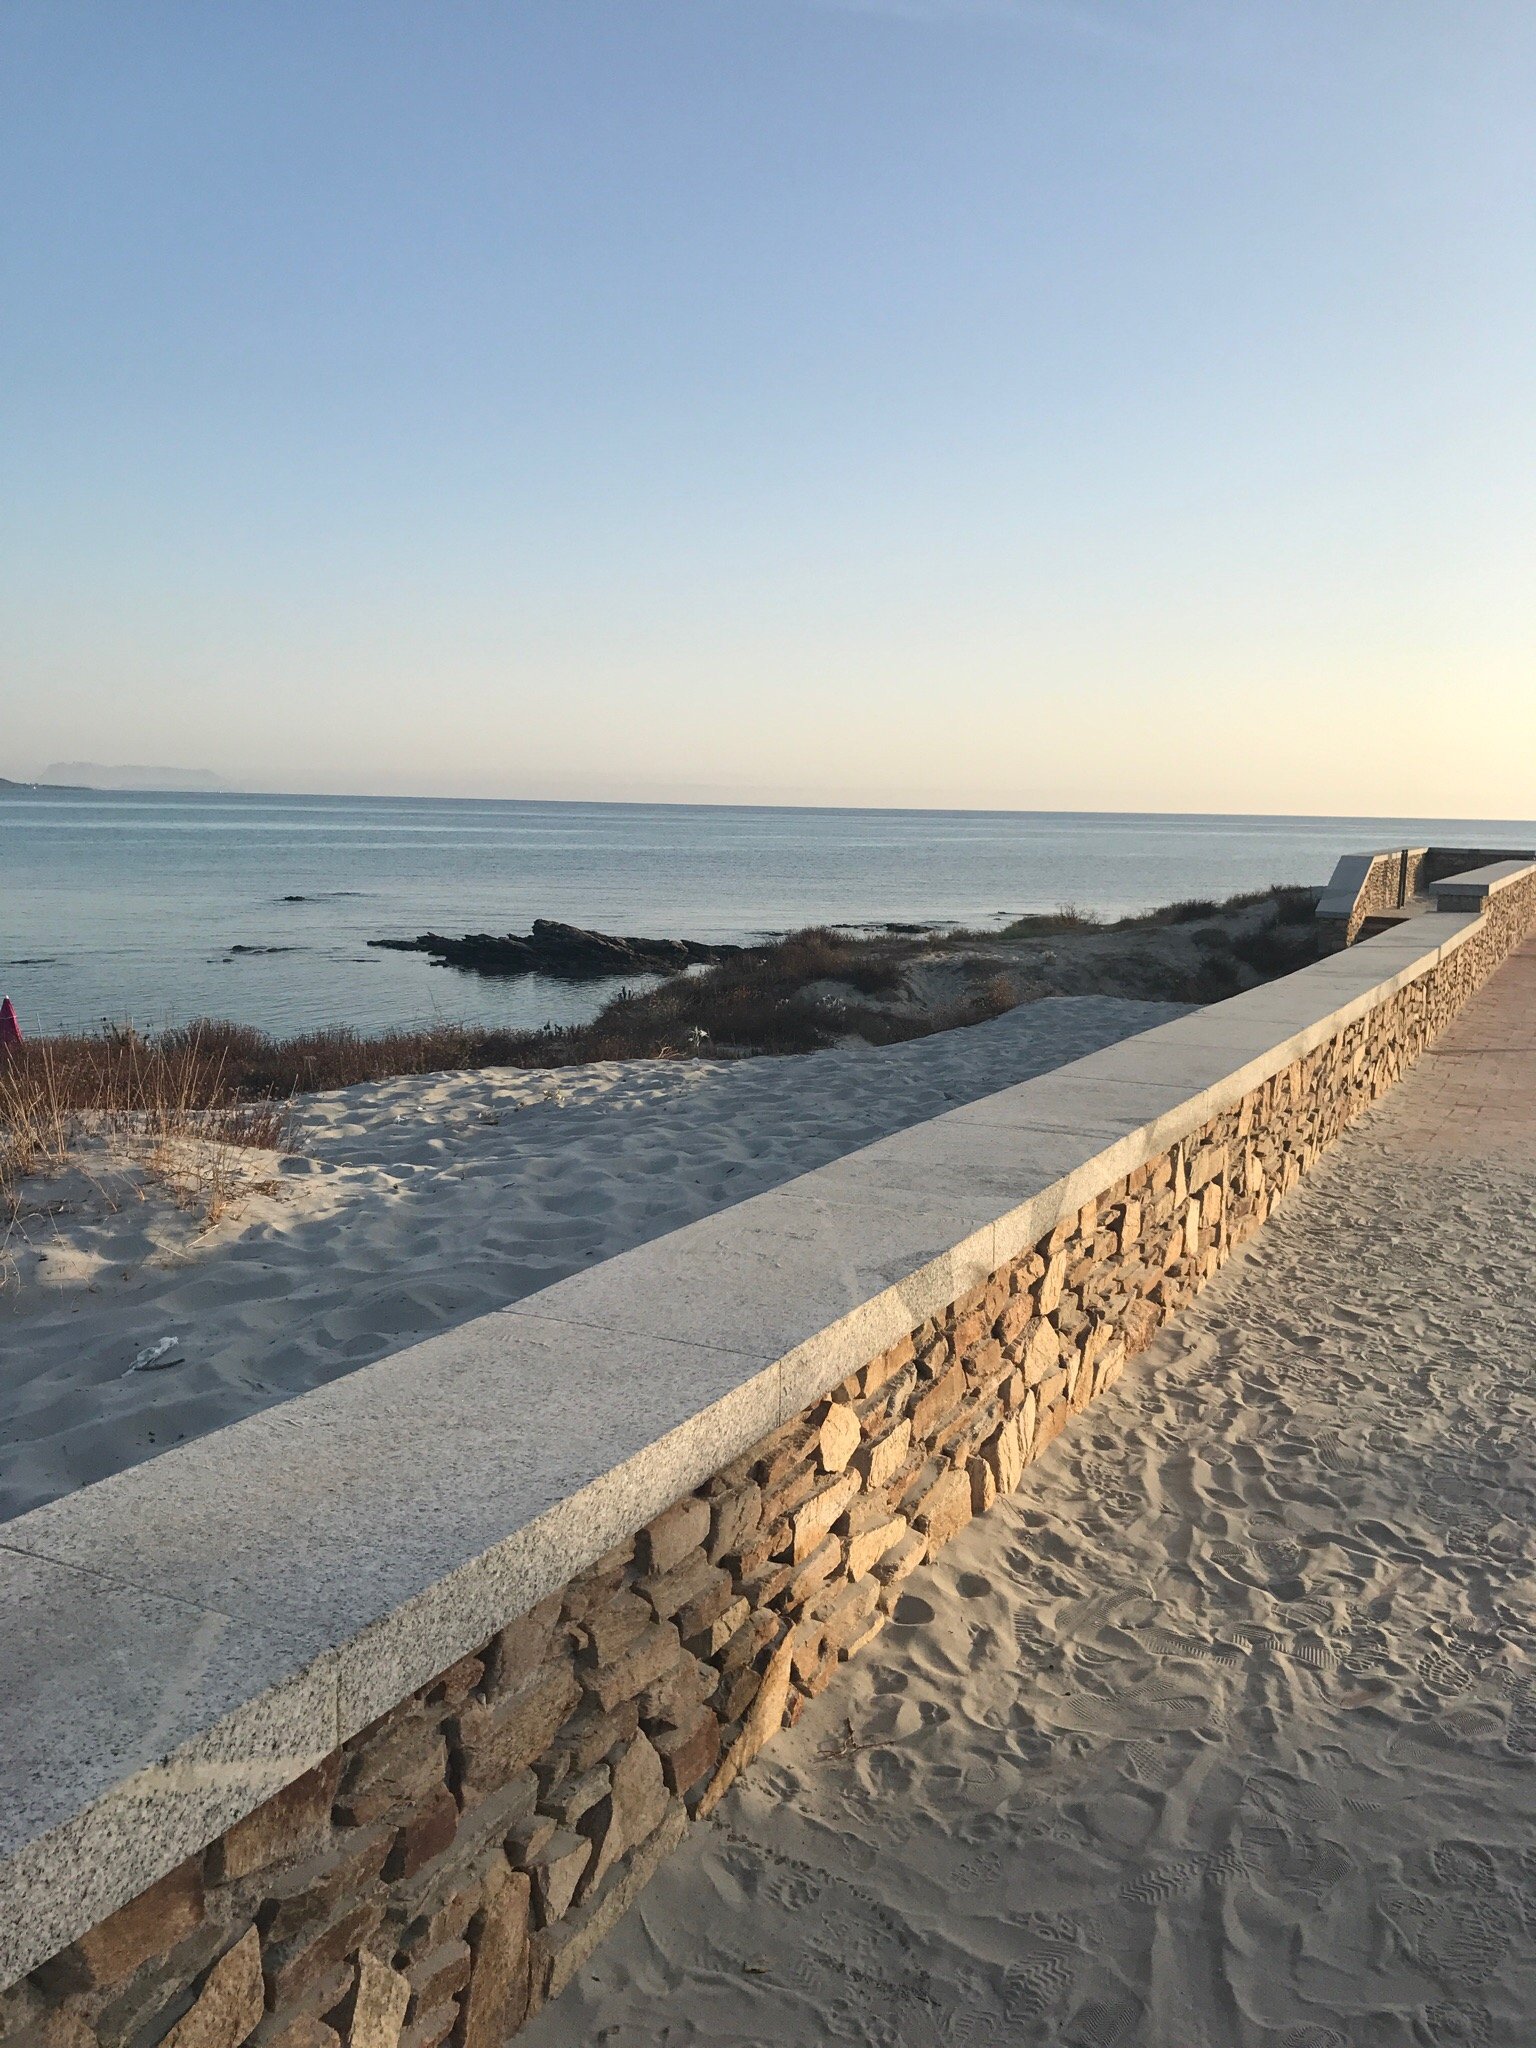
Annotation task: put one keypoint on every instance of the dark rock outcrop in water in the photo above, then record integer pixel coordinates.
(563, 951)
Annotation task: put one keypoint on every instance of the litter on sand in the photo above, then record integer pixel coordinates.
(155, 1357)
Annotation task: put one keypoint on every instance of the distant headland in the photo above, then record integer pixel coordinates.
(96, 775)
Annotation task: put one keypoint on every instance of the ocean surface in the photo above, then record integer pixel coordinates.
(131, 907)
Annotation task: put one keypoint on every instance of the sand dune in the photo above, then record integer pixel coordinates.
(414, 1204)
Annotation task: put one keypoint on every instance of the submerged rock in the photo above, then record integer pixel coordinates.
(563, 951)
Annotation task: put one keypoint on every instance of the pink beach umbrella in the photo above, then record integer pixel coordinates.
(10, 1030)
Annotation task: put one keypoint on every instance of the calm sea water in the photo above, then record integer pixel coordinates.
(128, 906)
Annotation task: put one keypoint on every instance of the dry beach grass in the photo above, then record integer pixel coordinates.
(166, 1109)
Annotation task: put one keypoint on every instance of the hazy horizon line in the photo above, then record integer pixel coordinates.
(742, 804)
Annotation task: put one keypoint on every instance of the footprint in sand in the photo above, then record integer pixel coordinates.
(1178, 1876)
(912, 1611)
(1464, 1866)
(1458, 2026)
(1037, 1983)
(1164, 1642)
(1103, 2026)
(1461, 1941)
(978, 1872)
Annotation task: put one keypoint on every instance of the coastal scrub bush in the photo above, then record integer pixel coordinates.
(1043, 923)
(168, 1106)
(207, 1091)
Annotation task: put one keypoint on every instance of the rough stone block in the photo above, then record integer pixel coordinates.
(230, 2002)
(764, 1719)
(819, 1513)
(983, 1484)
(881, 1460)
(867, 1634)
(576, 1796)
(1048, 1293)
(1110, 1366)
(444, 1915)
(1051, 1389)
(805, 1579)
(294, 1969)
(521, 1647)
(985, 1365)
(395, 1767)
(1005, 1454)
(867, 1548)
(714, 1639)
(792, 1491)
(944, 1509)
(886, 1366)
(902, 1559)
(707, 1606)
(1040, 1354)
(278, 2030)
(674, 1698)
(763, 1588)
(493, 1743)
(1139, 1326)
(1017, 1315)
(432, 2028)
(1052, 1422)
(304, 1896)
(150, 1925)
(641, 1665)
(668, 1540)
(940, 1401)
(496, 2002)
(585, 1596)
(439, 1975)
(556, 1871)
(691, 1580)
(736, 1692)
(590, 1734)
(688, 1753)
(424, 1835)
(611, 1629)
(838, 1437)
(734, 1520)
(847, 1614)
(526, 1837)
(808, 1649)
(1209, 1161)
(294, 1823)
(627, 1816)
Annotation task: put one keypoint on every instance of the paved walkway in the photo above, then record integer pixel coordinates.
(1221, 1734)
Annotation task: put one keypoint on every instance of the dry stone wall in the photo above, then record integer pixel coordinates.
(449, 1868)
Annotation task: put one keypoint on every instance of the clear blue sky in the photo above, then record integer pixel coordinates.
(1115, 405)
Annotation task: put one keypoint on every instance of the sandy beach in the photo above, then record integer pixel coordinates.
(1218, 1734)
(412, 1204)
